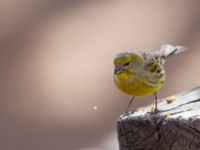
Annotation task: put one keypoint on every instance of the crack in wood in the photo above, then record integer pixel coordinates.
(146, 131)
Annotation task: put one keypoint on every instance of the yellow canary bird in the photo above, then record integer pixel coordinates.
(140, 74)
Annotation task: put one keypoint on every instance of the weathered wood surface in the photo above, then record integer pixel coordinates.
(176, 128)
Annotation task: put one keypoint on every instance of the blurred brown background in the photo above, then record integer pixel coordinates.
(56, 66)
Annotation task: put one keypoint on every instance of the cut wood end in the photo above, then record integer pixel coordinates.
(177, 126)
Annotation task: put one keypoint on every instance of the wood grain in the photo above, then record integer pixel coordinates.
(177, 127)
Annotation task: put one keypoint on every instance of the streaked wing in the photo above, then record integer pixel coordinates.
(153, 69)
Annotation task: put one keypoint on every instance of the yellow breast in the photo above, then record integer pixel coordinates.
(134, 86)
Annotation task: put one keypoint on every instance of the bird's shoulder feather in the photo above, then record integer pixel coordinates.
(153, 71)
(153, 62)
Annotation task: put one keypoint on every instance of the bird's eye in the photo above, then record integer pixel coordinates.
(126, 64)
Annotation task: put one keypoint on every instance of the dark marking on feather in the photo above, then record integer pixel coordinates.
(161, 75)
(162, 82)
(147, 85)
(158, 70)
(154, 68)
(152, 82)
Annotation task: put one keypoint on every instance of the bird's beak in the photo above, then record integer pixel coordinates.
(118, 69)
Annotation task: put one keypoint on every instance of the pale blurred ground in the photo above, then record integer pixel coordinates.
(56, 65)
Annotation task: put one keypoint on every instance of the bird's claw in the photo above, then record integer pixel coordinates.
(156, 111)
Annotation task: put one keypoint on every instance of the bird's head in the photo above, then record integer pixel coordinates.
(127, 62)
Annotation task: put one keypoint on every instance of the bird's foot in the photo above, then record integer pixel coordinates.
(156, 111)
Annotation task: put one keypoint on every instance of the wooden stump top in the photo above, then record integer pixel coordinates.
(177, 127)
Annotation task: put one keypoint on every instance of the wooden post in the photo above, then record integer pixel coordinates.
(177, 127)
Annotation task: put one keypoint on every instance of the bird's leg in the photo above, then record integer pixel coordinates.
(129, 104)
(156, 102)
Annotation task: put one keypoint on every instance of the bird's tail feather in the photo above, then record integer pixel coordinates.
(168, 50)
